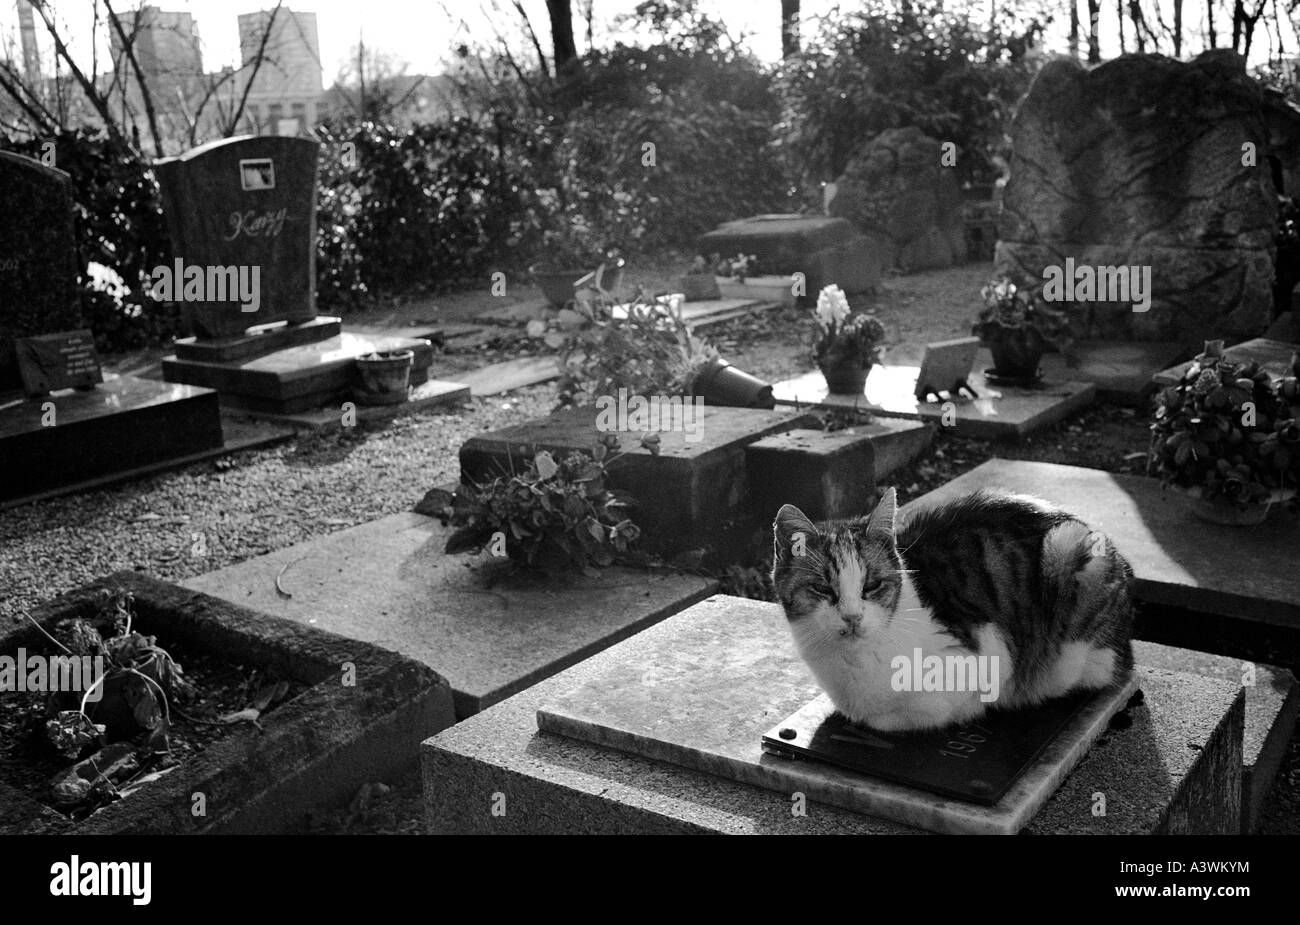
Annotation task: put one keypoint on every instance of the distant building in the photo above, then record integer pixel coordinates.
(165, 44)
(287, 87)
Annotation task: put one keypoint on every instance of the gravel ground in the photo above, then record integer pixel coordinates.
(244, 504)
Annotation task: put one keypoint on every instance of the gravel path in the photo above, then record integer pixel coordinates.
(241, 505)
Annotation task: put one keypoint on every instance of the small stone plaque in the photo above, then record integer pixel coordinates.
(977, 762)
(946, 367)
(49, 362)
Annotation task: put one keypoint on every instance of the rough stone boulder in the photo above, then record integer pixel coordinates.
(1139, 162)
(897, 188)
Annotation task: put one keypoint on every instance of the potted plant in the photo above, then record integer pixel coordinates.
(385, 376)
(1227, 437)
(645, 347)
(569, 254)
(699, 284)
(556, 515)
(1018, 325)
(848, 344)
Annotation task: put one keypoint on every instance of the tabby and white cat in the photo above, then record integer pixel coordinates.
(990, 574)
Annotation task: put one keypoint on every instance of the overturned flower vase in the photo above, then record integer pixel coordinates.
(266, 721)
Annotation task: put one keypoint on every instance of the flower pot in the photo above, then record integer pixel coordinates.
(557, 283)
(1016, 351)
(699, 287)
(846, 378)
(385, 376)
(720, 383)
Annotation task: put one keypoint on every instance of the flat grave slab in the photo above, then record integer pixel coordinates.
(780, 241)
(686, 492)
(1122, 371)
(678, 705)
(1273, 355)
(258, 341)
(1272, 703)
(1165, 772)
(296, 378)
(121, 425)
(508, 375)
(389, 583)
(1000, 413)
(711, 311)
(312, 751)
(1178, 561)
(433, 393)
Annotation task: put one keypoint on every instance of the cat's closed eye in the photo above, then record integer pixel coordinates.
(823, 590)
(872, 584)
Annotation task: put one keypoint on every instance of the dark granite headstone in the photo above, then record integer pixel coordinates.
(246, 202)
(49, 362)
(38, 256)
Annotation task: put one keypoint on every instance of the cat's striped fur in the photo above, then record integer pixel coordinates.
(990, 574)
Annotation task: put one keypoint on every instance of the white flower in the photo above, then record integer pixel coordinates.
(832, 307)
(106, 279)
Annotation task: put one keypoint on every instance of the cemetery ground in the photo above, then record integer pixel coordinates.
(188, 521)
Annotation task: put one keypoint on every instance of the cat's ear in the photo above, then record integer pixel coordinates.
(882, 518)
(790, 522)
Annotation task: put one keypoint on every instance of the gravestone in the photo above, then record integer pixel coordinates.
(1140, 162)
(73, 426)
(38, 256)
(689, 493)
(245, 202)
(897, 189)
(243, 210)
(50, 362)
(824, 249)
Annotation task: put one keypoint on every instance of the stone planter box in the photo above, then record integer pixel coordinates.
(314, 750)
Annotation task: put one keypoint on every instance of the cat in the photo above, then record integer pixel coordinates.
(988, 574)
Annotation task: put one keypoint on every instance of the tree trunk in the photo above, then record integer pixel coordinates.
(565, 51)
(1074, 28)
(1094, 40)
(1209, 22)
(789, 28)
(1178, 28)
(1119, 11)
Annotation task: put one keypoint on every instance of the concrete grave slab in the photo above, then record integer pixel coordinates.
(433, 393)
(389, 583)
(1174, 768)
(1271, 708)
(1178, 561)
(499, 378)
(711, 311)
(1122, 371)
(313, 751)
(830, 475)
(122, 425)
(1273, 355)
(772, 288)
(687, 493)
(1000, 413)
(679, 704)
